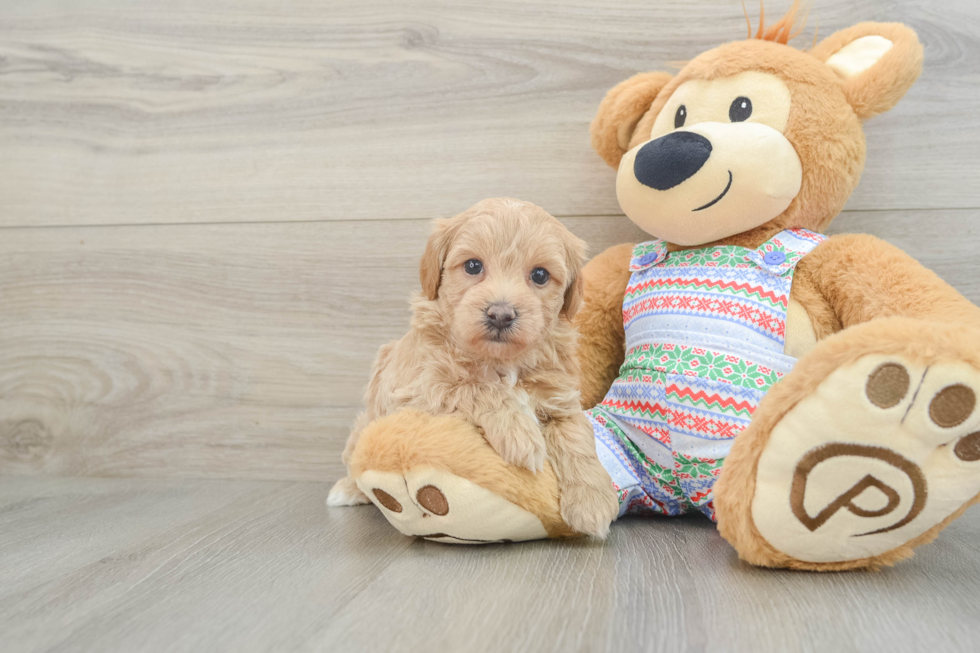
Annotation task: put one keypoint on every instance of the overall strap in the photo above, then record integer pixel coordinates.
(781, 253)
(646, 255)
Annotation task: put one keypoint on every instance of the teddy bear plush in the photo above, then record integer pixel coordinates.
(814, 395)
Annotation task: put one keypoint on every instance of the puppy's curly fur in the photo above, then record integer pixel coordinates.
(513, 373)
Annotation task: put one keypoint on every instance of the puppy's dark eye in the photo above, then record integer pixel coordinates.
(473, 266)
(680, 116)
(540, 276)
(740, 110)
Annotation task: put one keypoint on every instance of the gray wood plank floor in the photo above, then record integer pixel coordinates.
(211, 213)
(195, 565)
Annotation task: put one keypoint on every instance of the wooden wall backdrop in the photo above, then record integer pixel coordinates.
(211, 211)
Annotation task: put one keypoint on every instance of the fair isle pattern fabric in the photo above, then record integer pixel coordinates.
(705, 333)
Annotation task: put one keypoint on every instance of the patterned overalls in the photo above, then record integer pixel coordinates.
(705, 333)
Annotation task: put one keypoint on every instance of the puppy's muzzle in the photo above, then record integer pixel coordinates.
(500, 316)
(669, 160)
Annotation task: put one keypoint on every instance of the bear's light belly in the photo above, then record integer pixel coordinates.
(800, 334)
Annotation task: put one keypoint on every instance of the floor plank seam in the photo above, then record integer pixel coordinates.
(561, 216)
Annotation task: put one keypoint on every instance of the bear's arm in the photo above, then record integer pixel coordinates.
(600, 321)
(862, 278)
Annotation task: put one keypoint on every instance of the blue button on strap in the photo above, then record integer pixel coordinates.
(774, 258)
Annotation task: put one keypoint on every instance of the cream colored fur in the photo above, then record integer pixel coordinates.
(519, 386)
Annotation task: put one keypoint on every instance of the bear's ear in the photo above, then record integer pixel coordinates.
(876, 62)
(619, 112)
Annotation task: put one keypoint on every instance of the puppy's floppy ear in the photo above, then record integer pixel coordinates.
(575, 250)
(624, 105)
(573, 297)
(876, 62)
(434, 256)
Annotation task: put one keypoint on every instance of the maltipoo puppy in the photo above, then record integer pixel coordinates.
(492, 342)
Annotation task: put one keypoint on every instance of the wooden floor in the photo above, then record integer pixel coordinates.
(211, 213)
(219, 565)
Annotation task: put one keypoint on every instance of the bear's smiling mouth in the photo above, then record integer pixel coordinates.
(717, 199)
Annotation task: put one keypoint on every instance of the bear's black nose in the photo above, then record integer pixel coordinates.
(667, 161)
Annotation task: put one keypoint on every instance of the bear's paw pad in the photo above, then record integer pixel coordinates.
(884, 450)
(437, 505)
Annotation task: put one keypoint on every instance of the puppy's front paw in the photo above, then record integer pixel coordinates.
(518, 440)
(525, 453)
(346, 493)
(589, 509)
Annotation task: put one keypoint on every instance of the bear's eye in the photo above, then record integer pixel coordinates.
(740, 110)
(680, 116)
(473, 266)
(540, 276)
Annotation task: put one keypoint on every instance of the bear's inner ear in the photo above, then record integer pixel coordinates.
(859, 55)
(877, 63)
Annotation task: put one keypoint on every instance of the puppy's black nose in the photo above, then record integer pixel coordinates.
(500, 315)
(667, 161)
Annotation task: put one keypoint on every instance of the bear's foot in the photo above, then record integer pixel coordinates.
(873, 461)
(884, 451)
(438, 505)
(437, 478)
